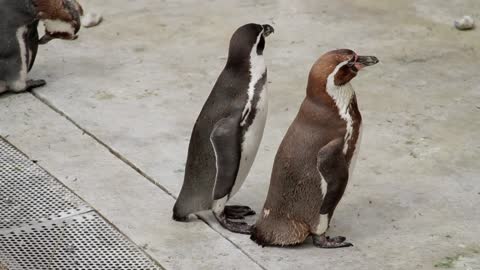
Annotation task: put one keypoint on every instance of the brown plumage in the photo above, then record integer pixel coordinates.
(56, 9)
(55, 12)
(313, 151)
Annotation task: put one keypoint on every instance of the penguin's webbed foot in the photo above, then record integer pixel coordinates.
(238, 211)
(323, 241)
(31, 84)
(233, 226)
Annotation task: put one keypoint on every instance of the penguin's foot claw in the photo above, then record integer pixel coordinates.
(31, 84)
(234, 226)
(238, 211)
(323, 241)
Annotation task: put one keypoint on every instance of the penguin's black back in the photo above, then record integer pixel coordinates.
(227, 100)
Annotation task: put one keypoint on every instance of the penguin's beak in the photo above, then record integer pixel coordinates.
(267, 30)
(365, 61)
(48, 37)
(45, 39)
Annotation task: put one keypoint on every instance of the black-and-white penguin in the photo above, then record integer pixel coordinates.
(227, 134)
(19, 44)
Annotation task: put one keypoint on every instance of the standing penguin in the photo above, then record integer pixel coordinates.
(316, 157)
(227, 134)
(19, 43)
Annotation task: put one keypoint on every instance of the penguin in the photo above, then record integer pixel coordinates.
(17, 52)
(316, 157)
(20, 39)
(61, 18)
(227, 133)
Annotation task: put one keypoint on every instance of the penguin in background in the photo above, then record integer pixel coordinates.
(316, 157)
(62, 19)
(227, 133)
(19, 44)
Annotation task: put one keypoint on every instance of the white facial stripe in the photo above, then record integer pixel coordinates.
(58, 26)
(257, 69)
(342, 95)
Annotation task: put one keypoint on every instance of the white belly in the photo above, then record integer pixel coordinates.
(353, 161)
(251, 141)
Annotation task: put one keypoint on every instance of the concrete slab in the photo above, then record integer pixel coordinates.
(134, 205)
(138, 81)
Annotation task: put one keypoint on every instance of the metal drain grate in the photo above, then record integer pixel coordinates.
(28, 194)
(43, 225)
(81, 242)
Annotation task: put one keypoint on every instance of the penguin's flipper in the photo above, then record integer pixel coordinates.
(333, 169)
(225, 139)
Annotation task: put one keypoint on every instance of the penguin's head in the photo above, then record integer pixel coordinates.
(247, 40)
(341, 65)
(61, 20)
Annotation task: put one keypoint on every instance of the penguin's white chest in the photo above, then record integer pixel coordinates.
(251, 140)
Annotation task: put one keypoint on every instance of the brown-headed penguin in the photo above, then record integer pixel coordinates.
(227, 134)
(19, 43)
(316, 156)
(62, 19)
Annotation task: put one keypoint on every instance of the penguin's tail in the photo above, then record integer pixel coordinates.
(279, 231)
(179, 214)
(185, 206)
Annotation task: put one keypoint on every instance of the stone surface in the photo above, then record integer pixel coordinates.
(134, 205)
(138, 82)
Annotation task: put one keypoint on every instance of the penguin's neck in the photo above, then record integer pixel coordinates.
(257, 68)
(257, 71)
(342, 96)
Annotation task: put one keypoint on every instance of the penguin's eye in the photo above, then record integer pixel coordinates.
(352, 66)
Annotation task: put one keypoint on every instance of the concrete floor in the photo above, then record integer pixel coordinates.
(120, 103)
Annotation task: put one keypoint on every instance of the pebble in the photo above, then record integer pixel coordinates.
(91, 19)
(465, 23)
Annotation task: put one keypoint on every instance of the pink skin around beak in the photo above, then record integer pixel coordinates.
(358, 65)
(365, 61)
